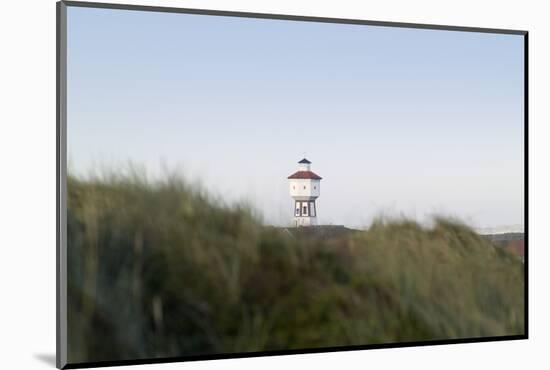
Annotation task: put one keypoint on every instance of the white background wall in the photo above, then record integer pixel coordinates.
(27, 193)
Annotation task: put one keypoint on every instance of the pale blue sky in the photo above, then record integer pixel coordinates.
(395, 120)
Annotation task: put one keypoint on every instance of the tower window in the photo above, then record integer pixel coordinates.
(305, 210)
(315, 187)
(304, 186)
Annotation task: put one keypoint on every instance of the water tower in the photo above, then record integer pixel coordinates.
(305, 187)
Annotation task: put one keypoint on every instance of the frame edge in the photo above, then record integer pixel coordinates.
(290, 17)
(61, 145)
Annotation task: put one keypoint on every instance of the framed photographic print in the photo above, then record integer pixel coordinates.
(239, 184)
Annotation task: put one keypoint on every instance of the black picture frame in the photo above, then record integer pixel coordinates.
(61, 186)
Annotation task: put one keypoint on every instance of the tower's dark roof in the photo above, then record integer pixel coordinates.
(305, 175)
(304, 161)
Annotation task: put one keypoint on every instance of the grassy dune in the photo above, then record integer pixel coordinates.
(156, 269)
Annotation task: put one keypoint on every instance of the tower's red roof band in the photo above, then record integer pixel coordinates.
(305, 175)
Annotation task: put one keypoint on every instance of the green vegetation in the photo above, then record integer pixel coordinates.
(156, 269)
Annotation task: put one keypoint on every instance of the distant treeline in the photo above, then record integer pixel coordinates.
(505, 236)
(157, 269)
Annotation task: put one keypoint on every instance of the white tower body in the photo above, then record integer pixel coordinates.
(305, 188)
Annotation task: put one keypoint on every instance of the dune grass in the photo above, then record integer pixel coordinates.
(156, 268)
